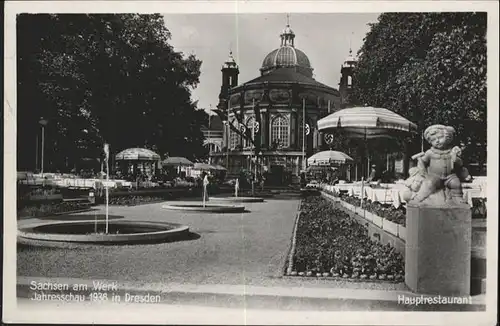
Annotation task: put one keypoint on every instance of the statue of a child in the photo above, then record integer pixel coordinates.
(441, 165)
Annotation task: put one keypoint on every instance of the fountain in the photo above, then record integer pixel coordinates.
(55, 233)
(239, 199)
(204, 207)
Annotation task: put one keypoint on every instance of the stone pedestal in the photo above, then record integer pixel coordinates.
(438, 249)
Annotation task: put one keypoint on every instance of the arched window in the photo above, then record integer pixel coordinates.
(235, 137)
(250, 125)
(349, 81)
(280, 131)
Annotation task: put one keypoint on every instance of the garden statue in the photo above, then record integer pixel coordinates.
(437, 216)
(236, 187)
(439, 173)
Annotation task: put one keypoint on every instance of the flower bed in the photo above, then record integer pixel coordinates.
(329, 243)
(136, 200)
(389, 212)
(52, 208)
(27, 193)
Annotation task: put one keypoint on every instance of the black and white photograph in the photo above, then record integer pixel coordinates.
(246, 162)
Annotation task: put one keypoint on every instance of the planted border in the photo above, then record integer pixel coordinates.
(330, 243)
(43, 210)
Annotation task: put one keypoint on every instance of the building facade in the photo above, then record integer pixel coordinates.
(264, 129)
(214, 135)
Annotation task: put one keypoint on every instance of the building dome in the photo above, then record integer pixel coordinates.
(287, 56)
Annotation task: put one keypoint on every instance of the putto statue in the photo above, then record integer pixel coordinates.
(438, 177)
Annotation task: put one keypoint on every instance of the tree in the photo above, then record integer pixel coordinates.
(105, 78)
(430, 68)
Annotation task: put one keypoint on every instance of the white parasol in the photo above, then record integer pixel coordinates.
(328, 157)
(367, 122)
(176, 161)
(137, 154)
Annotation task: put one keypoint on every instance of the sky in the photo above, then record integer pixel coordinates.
(325, 38)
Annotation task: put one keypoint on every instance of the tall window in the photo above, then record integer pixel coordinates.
(235, 138)
(349, 81)
(250, 125)
(280, 131)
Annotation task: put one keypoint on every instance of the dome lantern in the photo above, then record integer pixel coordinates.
(230, 62)
(287, 56)
(287, 36)
(350, 61)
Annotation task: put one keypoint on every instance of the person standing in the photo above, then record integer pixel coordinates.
(206, 182)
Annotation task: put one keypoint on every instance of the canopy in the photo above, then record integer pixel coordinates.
(177, 161)
(328, 158)
(219, 168)
(314, 168)
(369, 122)
(203, 166)
(137, 154)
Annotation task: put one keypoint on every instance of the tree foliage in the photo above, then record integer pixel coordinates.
(104, 78)
(430, 68)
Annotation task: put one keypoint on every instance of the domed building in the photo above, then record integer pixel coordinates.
(264, 128)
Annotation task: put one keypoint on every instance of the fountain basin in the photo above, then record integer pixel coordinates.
(258, 194)
(119, 232)
(309, 191)
(240, 199)
(209, 207)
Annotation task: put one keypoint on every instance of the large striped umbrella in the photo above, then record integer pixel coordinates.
(203, 166)
(137, 154)
(219, 167)
(367, 122)
(328, 157)
(176, 161)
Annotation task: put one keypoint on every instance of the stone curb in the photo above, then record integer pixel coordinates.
(209, 208)
(28, 233)
(289, 267)
(239, 199)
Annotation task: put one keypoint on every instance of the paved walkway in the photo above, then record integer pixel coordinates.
(231, 249)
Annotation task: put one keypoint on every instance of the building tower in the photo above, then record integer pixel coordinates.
(230, 72)
(346, 83)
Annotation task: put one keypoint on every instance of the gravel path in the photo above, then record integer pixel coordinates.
(247, 248)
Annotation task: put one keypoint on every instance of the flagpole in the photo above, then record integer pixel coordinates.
(107, 196)
(106, 152)
(251, 150)
(303, 133)
(422, 142)
(209, 139)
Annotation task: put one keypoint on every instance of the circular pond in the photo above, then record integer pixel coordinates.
(125, 232)
(208, 208)
(240, 199)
